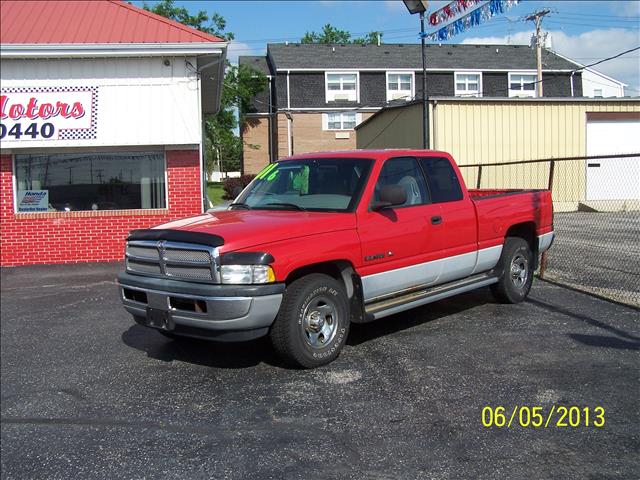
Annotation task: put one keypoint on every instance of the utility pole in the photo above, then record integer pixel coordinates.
(537, 18)
(425, 99)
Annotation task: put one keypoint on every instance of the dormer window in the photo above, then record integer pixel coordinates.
(400, 86)
(342, 86)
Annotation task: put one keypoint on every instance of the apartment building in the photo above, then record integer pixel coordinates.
(318, 93)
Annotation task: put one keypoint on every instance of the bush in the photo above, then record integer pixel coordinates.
(231, 184)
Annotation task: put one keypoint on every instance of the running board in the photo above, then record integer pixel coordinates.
(400, 303)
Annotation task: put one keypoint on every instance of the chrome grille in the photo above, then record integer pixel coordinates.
(173, 259)
(143, 252)
(200, 273)
(187, 255)
(143, 267)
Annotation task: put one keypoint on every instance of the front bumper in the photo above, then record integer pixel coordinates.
(222, 312)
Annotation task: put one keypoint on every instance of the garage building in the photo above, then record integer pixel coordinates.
(497, 131)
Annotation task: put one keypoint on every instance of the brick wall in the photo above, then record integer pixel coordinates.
(72, 237)
(255, 150)
(308, 135)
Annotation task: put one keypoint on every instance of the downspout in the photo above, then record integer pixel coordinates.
(571, 79)
(434, 125)
(201, 150)
(289, 132)
(270, 123)
(289, 118)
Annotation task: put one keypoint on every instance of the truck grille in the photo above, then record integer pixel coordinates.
(172, 260)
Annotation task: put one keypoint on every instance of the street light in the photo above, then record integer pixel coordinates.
(420, 6)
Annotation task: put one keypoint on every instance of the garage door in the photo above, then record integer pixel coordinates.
(614, 178)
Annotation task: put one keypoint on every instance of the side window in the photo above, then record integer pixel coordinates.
(442, 179)
(404, 171)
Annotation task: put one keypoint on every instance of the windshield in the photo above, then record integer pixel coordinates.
(318, 184)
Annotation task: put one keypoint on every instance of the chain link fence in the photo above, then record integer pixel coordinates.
(597, 218)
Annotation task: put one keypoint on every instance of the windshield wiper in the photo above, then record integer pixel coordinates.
(240, 205)
(284, 204)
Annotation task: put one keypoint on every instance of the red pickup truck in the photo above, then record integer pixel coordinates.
(319, 241)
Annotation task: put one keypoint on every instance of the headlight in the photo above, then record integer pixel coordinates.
(246, 274)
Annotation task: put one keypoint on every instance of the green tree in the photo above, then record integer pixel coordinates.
(214, 25)
(331, 34)
(241, 85)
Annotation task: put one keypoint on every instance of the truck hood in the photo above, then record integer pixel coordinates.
(242, 229)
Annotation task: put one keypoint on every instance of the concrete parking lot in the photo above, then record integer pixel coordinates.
(88, 394)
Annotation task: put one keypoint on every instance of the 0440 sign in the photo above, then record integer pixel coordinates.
(48, 113)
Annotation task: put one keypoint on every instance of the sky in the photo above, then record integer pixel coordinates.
(585, 31)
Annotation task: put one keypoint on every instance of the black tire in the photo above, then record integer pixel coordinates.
(313, 322)
(516, 271)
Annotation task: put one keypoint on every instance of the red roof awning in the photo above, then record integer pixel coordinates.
(90, 22)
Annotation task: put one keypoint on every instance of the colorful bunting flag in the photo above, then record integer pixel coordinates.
(462, 24)
(451, 10)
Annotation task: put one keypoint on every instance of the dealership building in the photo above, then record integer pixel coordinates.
(101, 128)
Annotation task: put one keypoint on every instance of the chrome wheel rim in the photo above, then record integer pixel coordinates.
(519, 271)
(320, 322)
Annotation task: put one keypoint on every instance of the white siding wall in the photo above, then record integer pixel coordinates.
(140, 100)
(591, 82)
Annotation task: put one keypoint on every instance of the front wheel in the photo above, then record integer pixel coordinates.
(313, 322)
(516, 267)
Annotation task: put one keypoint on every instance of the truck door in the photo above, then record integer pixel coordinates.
(459, 220)
(401, 244)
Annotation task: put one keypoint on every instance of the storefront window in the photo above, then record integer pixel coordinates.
(90, 181)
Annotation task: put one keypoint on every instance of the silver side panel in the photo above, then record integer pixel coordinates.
(430, 273)
(545, 241)
(382, 283)
(487, 259)
(457, 267)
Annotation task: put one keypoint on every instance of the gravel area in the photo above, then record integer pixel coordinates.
(599, 253)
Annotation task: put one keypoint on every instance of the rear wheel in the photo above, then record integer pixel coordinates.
(516, 265)
(313, 321)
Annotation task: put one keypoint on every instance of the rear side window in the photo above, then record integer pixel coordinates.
(442, 179)
(404, 171)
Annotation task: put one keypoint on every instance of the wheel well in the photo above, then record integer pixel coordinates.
(526, 231)
(341, 270)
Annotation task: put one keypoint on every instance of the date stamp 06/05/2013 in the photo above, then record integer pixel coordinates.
(554, 416)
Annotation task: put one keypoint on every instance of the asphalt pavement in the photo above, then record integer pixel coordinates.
(87, 394)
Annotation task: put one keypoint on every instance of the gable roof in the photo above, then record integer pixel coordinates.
(388, 56)
(90, 22)
(257, 62)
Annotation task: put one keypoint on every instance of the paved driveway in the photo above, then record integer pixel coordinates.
(87, 394)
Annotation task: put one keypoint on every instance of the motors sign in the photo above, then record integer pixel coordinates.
(48, 113)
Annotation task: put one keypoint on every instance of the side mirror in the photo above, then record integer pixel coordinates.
(390, 196)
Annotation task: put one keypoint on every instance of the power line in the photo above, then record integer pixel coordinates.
(575, 14)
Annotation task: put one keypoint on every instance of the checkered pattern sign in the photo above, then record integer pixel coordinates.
(48, 113)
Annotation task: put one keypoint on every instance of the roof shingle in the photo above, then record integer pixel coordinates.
(447, 56)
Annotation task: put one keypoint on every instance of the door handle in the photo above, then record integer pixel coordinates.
(436, 220)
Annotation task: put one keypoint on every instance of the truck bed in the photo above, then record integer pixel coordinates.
(497, 209)
(484, 193)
